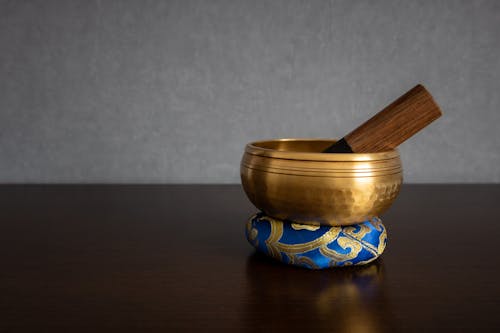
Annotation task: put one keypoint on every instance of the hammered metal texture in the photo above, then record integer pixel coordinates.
(290, 179)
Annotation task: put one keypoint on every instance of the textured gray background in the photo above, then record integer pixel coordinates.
(170, 91)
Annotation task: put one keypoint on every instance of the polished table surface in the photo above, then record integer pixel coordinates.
(161, 258)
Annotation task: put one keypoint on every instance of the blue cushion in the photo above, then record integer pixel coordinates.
(317, 247)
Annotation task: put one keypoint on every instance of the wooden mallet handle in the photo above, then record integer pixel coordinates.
(390, 127)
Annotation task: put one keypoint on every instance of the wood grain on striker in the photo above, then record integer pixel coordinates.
(396, 123)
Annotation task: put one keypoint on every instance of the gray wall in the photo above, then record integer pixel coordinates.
(170, 91)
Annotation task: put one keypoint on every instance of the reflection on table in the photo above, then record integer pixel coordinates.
(342, 299)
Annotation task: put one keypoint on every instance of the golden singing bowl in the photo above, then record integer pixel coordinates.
(291, 179)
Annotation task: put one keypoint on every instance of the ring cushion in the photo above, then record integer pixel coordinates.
(317, 247)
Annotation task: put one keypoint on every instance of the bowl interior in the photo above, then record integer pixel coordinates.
(296, 145)
(311, 150)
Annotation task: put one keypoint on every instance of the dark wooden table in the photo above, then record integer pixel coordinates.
(174, 258)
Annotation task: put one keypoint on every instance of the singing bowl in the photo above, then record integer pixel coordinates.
(290, 179)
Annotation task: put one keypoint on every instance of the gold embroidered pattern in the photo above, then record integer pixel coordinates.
(274, 246)
(348, 238)
(298, 226)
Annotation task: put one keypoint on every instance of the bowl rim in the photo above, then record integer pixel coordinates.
(253, 148)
